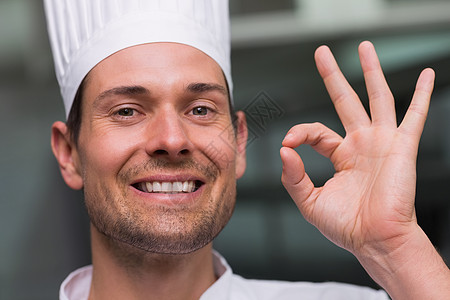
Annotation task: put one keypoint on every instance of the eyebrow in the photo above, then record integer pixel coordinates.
(137, 90)
(199, 87)
(134, 90)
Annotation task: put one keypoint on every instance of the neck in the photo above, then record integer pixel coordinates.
(122, 271)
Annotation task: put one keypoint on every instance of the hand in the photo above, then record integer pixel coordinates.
(368, 205)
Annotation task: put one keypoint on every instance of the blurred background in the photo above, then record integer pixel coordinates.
(43, 225)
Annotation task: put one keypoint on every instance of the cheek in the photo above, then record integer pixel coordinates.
(220, 147)
(106, 153)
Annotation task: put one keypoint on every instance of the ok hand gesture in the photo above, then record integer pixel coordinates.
(367, 207)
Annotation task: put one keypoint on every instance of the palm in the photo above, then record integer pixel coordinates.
(363, 194)
(370, 199)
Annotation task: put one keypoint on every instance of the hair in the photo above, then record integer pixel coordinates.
(74, 119)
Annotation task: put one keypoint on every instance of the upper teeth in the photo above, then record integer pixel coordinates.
(168, 187)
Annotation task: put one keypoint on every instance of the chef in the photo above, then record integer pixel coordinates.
(147, 90)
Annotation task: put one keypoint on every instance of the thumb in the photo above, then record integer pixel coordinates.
(294, 178)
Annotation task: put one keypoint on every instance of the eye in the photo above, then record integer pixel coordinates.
(126, 112)
(200, 111)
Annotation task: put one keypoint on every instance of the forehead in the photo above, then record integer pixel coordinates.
(156, 64)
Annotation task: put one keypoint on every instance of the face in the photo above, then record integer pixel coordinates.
(157, 155)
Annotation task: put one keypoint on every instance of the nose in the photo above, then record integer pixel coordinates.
(168, 137)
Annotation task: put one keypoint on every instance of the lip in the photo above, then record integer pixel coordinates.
(169, 177)
(167, 199)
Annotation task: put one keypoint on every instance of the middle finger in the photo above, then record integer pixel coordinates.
(345, 100)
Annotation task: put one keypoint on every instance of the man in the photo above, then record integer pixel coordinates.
(147, 90)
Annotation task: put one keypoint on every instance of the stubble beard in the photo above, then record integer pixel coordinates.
(162, 229)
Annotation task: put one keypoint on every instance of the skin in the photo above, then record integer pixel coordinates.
(154, 112)
(373, 189)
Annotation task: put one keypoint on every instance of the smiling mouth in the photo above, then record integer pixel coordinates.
(168, 187)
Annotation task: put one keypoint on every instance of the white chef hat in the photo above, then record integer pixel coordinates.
(84, 32)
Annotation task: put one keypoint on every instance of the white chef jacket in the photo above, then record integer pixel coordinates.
(230, 286)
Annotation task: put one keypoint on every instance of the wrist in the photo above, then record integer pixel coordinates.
(408, 268)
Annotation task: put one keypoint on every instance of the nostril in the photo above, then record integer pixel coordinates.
(164, 152)
(161, 152)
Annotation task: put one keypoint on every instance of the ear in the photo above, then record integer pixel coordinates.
(67, 156)
(241, 143)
